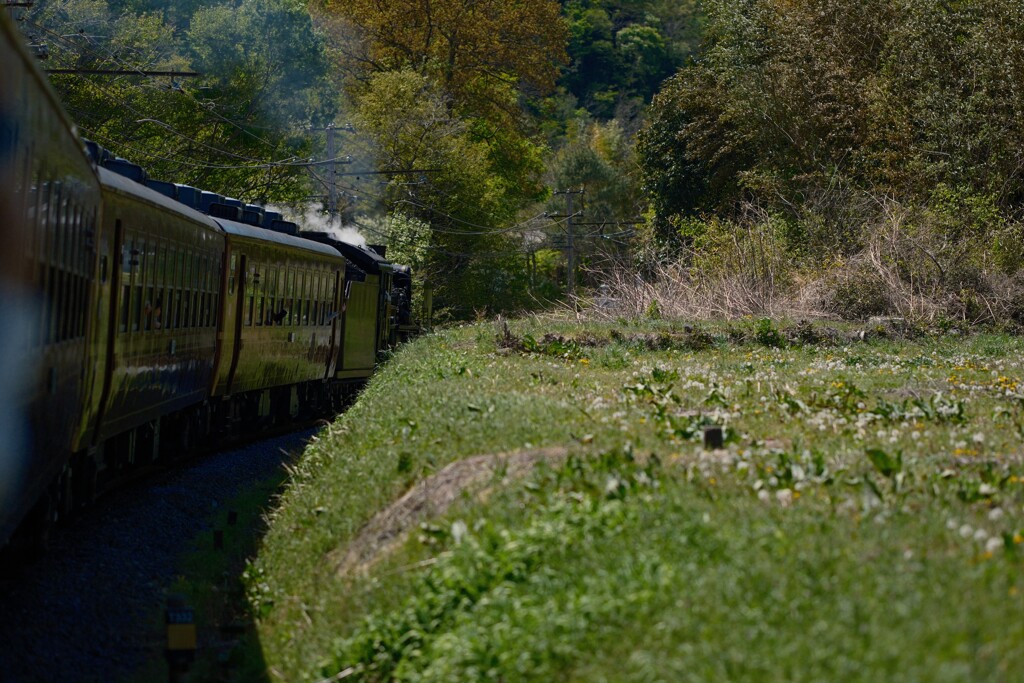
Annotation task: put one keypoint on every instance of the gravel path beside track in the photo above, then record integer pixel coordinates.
(86, 611)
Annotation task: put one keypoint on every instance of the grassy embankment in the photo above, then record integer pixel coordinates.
(863, 523)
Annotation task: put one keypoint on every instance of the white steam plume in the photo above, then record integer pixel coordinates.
(311, 217)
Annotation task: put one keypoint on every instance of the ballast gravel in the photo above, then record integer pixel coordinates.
(91, 608)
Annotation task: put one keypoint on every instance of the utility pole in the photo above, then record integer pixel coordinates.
(332, 166)
(570, 246)
(332, 179)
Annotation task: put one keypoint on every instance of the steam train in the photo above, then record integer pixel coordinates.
(139, 318)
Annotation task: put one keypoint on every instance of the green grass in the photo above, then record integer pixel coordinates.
(865, 521)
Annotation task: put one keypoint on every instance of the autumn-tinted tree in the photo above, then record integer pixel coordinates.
(471, 47)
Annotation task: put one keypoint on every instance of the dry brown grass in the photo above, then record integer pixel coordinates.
(901, 271)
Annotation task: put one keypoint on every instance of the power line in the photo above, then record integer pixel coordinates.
(130, 70)
(124, 72)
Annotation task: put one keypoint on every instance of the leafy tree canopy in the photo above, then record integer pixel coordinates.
(811, 108)
(236, 129)
(471, 47)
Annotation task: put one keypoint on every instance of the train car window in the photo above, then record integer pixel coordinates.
(139, 256)
(205, 265)
(323, 317)
(281, 312)
(268, 314)
(186, 310)
(186, 287)
(286, 295)
(179, 267)
(125, 283)
(148, 309)
(250, 291)
(175, 321)
(37, 202)
(66, 255)
(188, 316)
(136, 282)
(67, 265)
(123, 317)
(331, 303)
(232, 266)
(51, 278)
(310, 286)
(144, 278)
(258, 288)
(56, 223)
(169, 287)
(33, 213)
(191, 275)
(158, 309)
(179, 284)
(42, 213)
(75, 300)
(160, 269)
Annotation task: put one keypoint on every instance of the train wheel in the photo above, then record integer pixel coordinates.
(84, 478)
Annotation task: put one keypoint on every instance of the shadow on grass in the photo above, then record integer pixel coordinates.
(211, 582)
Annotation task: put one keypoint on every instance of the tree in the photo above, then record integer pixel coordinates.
(263, 80)
(456, 193)
(813, 108)
(473, 48)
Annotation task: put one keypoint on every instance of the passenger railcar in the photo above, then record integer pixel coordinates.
(152, 314)
(280, 320)
(155, 336)
(47, 269)
(367, 324)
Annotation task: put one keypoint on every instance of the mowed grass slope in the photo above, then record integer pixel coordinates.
(864, 522)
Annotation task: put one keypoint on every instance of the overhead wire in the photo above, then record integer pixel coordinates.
(257, 163)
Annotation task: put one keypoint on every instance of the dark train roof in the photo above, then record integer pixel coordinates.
(253, 232)
(214, 205)
(117, 181)
(364, 258)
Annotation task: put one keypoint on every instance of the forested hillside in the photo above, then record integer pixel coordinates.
(744, 157)
(856, 158)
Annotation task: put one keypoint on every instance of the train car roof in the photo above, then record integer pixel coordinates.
(117, 181)
(365, 258)
(252, 232)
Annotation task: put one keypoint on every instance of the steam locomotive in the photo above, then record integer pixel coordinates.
(140, 317)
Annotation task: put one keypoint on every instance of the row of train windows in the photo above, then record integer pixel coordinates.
(166, 285)
(288, 296)
(163, 263)
(270, 310)
(62, 220)
(145, 309)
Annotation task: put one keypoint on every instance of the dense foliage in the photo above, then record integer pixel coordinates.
(843, 119)
(623, 49)
(797, 103)
(237, 128)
